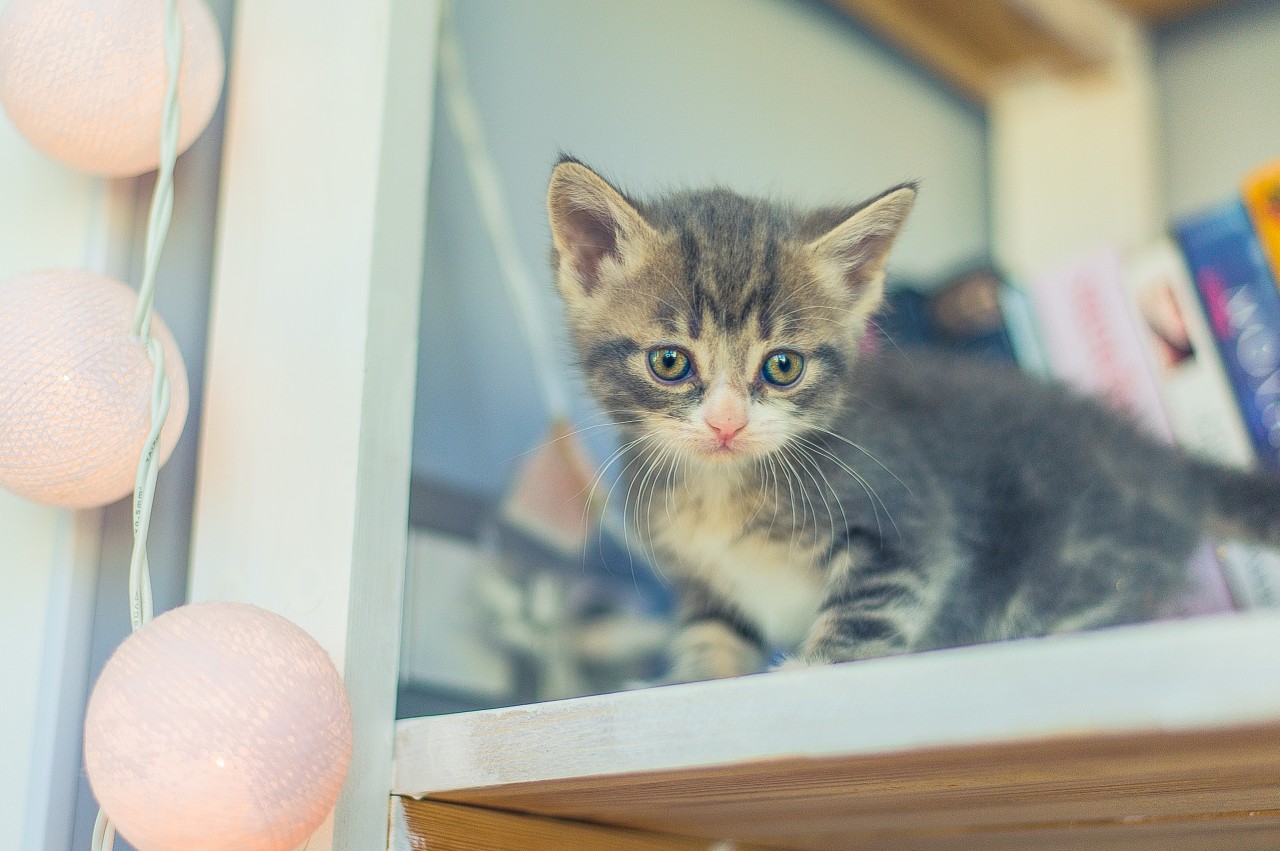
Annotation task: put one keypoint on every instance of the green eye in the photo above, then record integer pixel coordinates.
(669, 364)
(782, 368)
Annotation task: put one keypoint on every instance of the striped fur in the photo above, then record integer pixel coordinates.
(880, 504)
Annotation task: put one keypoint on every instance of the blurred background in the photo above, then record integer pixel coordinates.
(1042, 132)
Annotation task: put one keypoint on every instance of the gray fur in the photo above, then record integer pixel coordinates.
(930, 502)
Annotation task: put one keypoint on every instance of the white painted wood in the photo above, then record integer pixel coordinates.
(301, 505)
(399, 839)
(1190, 675)
(49, 216)
(64, 687)
(1074, 162)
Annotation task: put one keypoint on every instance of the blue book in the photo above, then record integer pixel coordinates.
(1239, 294)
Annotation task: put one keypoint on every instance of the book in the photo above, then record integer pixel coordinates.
(1261, 192)
(1093, 341)
(1238, 292)
(1190, 377)
(1024, 334)
(1091, 338)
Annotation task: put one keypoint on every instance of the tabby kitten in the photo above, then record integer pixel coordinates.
(839, 505)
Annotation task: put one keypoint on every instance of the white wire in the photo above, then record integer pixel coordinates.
(162, 198)
(140, 601)
(104, 834)
(495, 212)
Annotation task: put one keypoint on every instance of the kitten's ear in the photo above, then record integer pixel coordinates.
(594, 229)
(854, 252)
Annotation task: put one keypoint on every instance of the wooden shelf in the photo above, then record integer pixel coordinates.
(975, 45)
(1147, 736)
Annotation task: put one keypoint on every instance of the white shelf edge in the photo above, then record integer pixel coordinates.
(1177, 676)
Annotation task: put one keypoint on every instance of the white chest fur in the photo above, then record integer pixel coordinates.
(772, 580)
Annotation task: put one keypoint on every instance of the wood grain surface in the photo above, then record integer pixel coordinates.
(1158, 736)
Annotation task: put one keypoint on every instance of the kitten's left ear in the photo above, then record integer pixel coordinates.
(854, 252)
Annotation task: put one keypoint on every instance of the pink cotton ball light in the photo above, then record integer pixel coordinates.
(218, 726)
(75, 388)
(84, 80)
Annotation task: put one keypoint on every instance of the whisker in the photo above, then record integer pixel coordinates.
(640, 458)
(591, 492)
(804, 502)
(574, 433)
(834, 493)
(868, 453)
(862, 481)
(831, 519)
(652, 462)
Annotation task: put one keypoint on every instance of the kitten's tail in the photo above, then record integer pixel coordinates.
(1242, 504)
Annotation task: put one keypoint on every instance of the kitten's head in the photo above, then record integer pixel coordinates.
(719, 326)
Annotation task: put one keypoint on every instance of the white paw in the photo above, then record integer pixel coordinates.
(795, 663)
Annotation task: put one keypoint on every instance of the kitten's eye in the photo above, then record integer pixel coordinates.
(669, 364)
(782, 368)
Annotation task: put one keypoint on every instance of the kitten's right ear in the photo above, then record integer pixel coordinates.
(594, 229)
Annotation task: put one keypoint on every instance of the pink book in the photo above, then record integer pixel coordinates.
(1092, 341)
(1091, 338)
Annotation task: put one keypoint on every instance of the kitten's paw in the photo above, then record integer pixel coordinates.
(636, 685)
(799, 661)
(709, 651)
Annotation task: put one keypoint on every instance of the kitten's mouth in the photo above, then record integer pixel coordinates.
(731, 450)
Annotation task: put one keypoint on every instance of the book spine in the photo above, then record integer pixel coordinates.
(1183, 356)
(1261, 191)
(1020, 324)
(1091, 340)
(1238, 292)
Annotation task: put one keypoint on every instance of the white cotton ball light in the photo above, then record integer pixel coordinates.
(84, 80)
(218, 727)
(75, 388)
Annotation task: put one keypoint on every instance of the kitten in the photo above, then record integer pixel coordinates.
(839, 505)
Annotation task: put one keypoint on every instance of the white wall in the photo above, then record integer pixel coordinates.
(47, 590)
(767, 96)
(1218, 76)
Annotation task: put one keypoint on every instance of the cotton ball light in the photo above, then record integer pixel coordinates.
(84, 80)
(75, 388)
(218, 726)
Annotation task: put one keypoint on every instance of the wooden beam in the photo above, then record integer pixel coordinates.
(1219, 788)
(1135, 737)
(432, 824)
(973, 45)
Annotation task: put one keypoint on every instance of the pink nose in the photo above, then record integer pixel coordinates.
(726, 417)
(726, 431)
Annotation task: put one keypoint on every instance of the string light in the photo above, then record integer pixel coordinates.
(75, 388)
(84, 80)
(216, 726)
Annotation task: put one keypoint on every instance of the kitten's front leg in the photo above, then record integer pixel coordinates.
(714, 639)
(877, 601)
